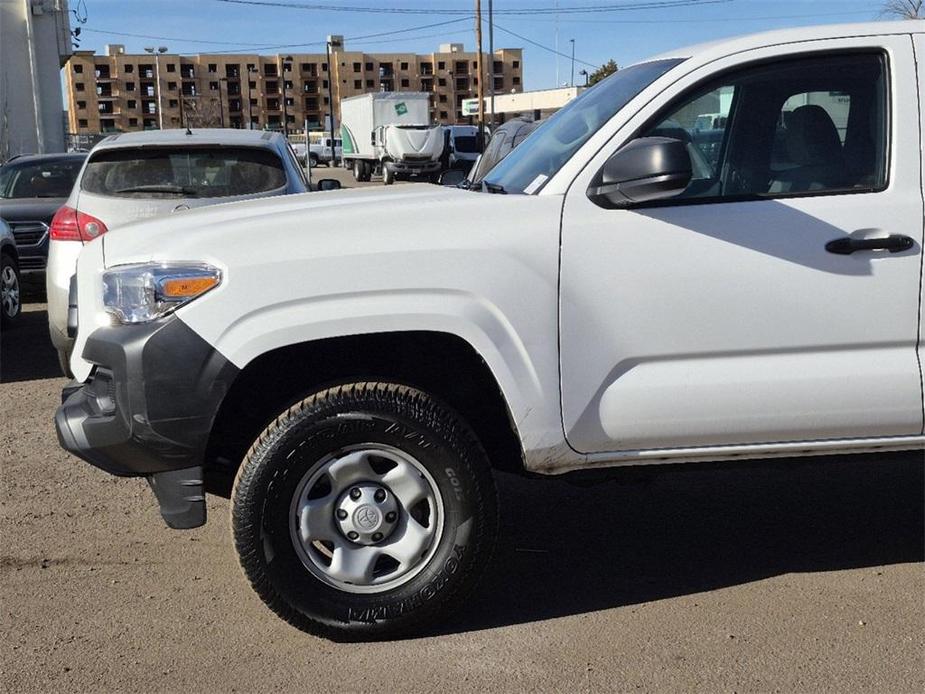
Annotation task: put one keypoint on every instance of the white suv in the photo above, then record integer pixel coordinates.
(632, 294)
(138, 175)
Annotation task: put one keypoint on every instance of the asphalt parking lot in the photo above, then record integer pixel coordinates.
(793, 576)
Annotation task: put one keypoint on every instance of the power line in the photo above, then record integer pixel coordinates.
(708, 20)
(106, 32)
(523, 11)
(544, 47)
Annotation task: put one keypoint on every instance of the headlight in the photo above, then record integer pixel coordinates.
(143, 292)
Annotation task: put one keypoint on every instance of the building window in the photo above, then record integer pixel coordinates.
(324, 84)
(128, 69)
(79, 86)
(515, 64)
(325, 101)
(172, 86)
(81, 122)
(515, 80)
(442, 115)
(357, 84)
(130, 103)
(441, 65)
(405, 83)
(404, 66)
(269, 70)
(81, 105)
(475, 65)
(212, 67)
(441, 81)
(442, 98)
(133, 122)
(78, 69)
(324, 67)
(369, 66)
(213, 86)
(171, 67)
(427, 68)
(173, 103)
(370, 84)
(497, 67)
(357, 67)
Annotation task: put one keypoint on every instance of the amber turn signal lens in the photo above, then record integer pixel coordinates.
(187, 287)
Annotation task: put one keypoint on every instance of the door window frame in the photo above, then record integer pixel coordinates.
(703, 86)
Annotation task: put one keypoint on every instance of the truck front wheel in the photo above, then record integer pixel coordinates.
(365, 511)
(388, 176)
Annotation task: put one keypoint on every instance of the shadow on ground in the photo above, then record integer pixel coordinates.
(567, 550)
(26, 352)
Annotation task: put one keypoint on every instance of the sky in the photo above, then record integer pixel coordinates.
(630, 30)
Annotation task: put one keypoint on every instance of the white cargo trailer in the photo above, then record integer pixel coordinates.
(390, 133)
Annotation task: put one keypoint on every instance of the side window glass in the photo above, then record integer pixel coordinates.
(796, 127)
(701, 124)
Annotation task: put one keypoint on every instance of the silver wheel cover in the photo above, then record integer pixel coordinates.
(363, 531)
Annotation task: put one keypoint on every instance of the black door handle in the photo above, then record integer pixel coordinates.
(894, 243)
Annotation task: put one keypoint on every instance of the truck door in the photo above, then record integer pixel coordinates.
(777, 299)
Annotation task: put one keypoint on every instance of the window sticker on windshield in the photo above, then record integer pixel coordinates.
(535, 184)
(400, 108)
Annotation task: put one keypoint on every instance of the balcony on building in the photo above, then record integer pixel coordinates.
(427, 69)
(102, 72)
(271, 87)
(462, 84)
(233, 72)
(310, 87)
(497, 67)
(189, 89)
(270, 70)
(309, 69)
(461, 67)
(146, 71)
(188, 71)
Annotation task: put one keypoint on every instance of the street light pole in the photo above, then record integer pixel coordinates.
(221, 106)
(157, 78)
(572, 80)
(250, 108)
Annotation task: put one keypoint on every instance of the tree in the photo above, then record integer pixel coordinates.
(904, 9)
(603, 71)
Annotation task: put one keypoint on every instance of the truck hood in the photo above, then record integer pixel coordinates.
(289, 222)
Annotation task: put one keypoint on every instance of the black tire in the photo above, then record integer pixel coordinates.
(313, 158)
(388, 176)
(331, 420)
(11, 286)
(367, 171)
(358, 170)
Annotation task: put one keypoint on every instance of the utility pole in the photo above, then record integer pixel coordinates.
(329, 49)
(282, 84)
(480, 91)
(491, 51)
(571, 81)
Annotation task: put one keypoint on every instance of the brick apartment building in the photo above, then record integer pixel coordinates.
(122, 92)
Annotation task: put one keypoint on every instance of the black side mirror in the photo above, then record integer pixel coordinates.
(452, 177)
(649, 168)
(328, 184)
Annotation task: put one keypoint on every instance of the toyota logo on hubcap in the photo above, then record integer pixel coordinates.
(366, 517)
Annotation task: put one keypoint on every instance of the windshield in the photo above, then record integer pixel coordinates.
(466, 143)
(528, 167)
(189, 172)
(49, 179)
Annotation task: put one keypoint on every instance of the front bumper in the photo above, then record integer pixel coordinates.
(147, 410)
(413, 168)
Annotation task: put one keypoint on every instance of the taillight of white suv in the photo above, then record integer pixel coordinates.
(69, 224)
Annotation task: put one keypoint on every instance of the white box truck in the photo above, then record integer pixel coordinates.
(390, 133)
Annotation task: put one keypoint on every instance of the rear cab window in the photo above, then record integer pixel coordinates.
(189, 172)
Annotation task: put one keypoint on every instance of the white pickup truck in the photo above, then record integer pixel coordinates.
(611, 295)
